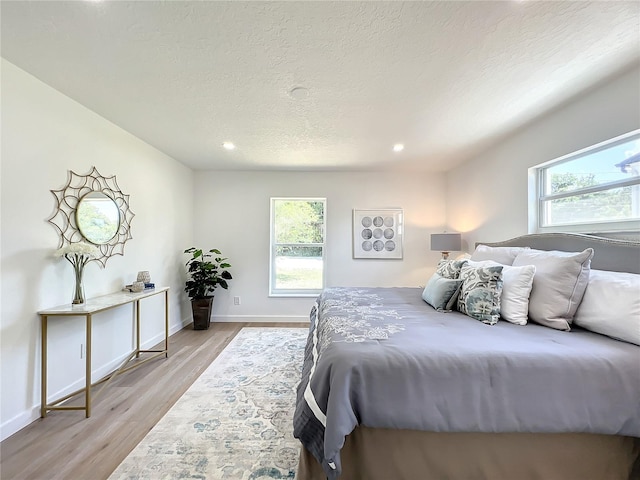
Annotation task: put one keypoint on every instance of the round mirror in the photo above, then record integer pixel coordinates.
(97, 217)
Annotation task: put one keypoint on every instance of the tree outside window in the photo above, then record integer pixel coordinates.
(297, 246)
(595, 189)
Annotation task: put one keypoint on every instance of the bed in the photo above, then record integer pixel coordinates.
(393, 388)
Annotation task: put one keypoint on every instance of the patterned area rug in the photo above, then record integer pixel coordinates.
(235, 422)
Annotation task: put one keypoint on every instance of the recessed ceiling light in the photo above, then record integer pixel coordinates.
(228, 145)
(398, 147)
(299, 93)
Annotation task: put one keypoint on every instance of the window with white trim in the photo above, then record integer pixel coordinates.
(596, 189)
(297, 246)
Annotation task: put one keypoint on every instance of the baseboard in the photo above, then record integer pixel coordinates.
(18, 422)
(23, 419)
(260, 318)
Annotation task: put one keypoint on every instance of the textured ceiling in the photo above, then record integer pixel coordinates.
(447, 79)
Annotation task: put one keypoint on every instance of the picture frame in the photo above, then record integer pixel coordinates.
(378, 233)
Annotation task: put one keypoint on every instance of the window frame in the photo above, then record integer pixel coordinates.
(295, 292)
(537, 197)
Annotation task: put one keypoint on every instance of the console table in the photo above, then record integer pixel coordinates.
(87, 310)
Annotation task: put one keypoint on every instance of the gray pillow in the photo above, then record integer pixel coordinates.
(558, 285)
(480, 293)
(441, 293)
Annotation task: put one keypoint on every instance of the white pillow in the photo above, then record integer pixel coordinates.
(502, 255)
(517, 283)
(611, 305)
(558, 286)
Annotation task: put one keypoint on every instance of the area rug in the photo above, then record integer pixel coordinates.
(235, 422)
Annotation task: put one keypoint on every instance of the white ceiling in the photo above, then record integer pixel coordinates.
(446, 78)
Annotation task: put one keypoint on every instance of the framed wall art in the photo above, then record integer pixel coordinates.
(377, 233)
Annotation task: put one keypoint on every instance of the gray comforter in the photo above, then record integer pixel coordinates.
(383, 358)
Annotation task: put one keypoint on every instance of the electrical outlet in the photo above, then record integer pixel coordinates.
(81, 351)
(236, 300)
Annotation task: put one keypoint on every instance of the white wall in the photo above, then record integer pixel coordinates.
(44, 135)
(234, 217)
(487, 196)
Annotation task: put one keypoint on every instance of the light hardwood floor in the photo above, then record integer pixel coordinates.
(66, 445)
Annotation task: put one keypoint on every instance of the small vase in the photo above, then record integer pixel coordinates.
(144, 277)
(78, 291)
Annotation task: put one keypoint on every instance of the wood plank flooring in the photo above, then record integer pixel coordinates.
(67, 446)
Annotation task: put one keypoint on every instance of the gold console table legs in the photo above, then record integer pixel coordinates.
(87, 312)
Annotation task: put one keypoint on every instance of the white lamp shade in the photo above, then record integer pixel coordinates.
(446, 242)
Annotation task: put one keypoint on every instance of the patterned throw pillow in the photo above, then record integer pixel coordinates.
(516, 289)
(480, 294)
(450, 268)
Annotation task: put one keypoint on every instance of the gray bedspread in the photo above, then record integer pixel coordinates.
(383, 358)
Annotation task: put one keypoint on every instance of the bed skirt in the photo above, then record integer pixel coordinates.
(381, 454)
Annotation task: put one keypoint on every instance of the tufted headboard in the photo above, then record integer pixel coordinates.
(610, 254)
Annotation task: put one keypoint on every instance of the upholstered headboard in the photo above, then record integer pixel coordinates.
(610, 254)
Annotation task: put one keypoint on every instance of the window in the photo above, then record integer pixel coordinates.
(593, 190)
(297, 246)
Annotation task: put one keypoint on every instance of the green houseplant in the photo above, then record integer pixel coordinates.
(206, 273)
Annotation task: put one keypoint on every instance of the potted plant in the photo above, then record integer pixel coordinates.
(206, 273)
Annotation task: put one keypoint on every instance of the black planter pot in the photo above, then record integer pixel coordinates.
(201, 309)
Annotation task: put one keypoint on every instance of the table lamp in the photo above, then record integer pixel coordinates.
(446, 242)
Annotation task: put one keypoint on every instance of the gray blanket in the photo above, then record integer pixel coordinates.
(383, 358)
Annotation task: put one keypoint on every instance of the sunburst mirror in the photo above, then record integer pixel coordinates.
(92, 208)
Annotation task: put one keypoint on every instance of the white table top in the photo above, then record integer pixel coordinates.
(103, 302)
